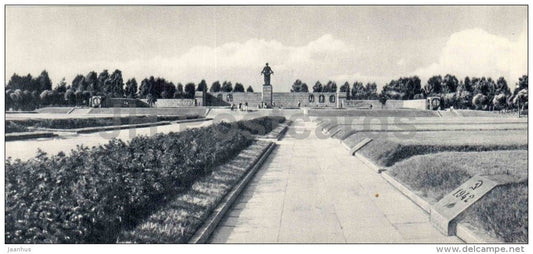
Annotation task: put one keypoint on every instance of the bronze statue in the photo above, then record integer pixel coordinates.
(267, 71)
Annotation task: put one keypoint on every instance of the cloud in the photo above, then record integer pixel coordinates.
(401, 62)
(475, 52)
(242, 62)
(319, 59)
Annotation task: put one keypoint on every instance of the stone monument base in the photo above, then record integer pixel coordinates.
(267, 95)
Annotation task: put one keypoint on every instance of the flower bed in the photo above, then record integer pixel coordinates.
(93, 194)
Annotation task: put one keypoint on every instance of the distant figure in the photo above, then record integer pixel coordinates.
(299, 104)
(370, 106)
(232, 106)
(267, 71)
(240, 106)
(246, 105)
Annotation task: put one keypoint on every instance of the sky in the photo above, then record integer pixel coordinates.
(340, 43)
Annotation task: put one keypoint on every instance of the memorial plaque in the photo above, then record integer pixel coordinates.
(452, 205)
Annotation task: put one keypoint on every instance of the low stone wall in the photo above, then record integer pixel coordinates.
(226, 99)
(390, 104)
(173, 103)
(417, 104)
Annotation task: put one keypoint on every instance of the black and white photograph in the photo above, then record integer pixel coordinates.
(394, 127)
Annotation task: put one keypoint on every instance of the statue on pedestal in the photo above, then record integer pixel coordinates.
(267, 71)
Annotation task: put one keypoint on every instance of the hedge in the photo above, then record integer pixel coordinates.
(92, 194)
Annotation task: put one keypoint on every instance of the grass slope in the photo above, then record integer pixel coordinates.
(503, 212)
(389, 148)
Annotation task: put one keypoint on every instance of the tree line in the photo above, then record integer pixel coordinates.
(28, 93)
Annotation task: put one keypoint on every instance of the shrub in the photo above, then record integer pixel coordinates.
(92, 194)
(14, 127)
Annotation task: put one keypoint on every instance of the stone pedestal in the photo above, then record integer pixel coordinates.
(267, 95)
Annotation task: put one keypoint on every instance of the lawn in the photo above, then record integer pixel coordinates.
(388, 148)
(503, 212)
(347, 130)
(75, 123)
(372, 112)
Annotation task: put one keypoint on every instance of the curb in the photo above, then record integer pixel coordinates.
(469, 234)
(141, 125)
(118, 127)
(29, 135)
(280, 134)
(332, 135)
(204, 232)
(464, 230)
(406, 192)
(125, 126)
(360, 145)
(369, 163)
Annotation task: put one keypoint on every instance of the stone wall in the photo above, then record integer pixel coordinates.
(417, 104)
(390, 104)
(226, 99)
(172, 103)
(285, 100)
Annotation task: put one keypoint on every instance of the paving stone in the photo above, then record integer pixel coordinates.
(312, 191)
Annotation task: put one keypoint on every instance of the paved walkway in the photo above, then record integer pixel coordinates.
(312, 191)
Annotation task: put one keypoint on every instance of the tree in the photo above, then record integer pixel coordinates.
(215, 87)
(189, 90)
(358, 91)
(371, 91)
(227, 87)
(145, 88)
(480, 101)
(434, 86)
(114, 84)
(468, 84)
(202, 86)
(317, 88)
(78, 83)
(304, 89)
(44, 82)
(500, 101)
(450, 84)
(46, 97)
(151, 99)
(179, 91)
(297, 86)
(131, 88)
(239, 88)
(102, 77)
(78, 95)
(502, 87)
(383, 98)
(70, 97)
(92, 82)
(61, 87)
(249, 89)
(463, 95)
(522, 84)
(330, 87)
